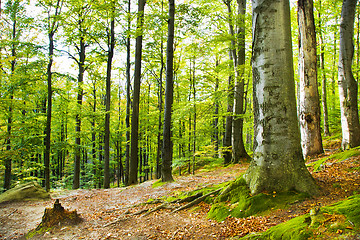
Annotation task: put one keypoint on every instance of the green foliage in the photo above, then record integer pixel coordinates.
(238, 201)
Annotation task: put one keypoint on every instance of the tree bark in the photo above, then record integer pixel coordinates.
(278, 164)
(128, 98)
(107, 99)
(309, 106)
(134, 157)
(77, 159)
(348, 88)
(323, 78)
(239, 151)
(167, 152)
(227, 151)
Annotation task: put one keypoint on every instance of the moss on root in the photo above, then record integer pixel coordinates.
(340, 156)
(341, 218)
(237, 201)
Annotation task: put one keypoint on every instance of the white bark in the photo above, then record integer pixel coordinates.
(348, 87)
(309, 107)
(278, 164)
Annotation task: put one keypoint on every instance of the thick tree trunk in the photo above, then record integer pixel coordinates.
(107, 101)
(167, 152)
(134, 157)
(348, 88)
(278, 164)
(309, 107)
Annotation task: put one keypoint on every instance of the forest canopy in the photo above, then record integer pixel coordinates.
(70, 70)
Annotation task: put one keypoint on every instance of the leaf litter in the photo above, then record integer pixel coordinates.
(111, 213)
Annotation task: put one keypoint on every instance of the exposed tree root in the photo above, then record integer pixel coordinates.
(197, 200)
(173, 205)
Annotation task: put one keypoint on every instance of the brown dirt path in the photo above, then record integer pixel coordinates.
(99, 207)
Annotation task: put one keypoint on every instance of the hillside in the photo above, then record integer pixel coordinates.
(109, 213)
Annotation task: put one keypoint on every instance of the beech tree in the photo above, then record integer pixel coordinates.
(167, 152)
(53, 9)
(309, 106)
(278, 163)
(348, 86)
(133, 166)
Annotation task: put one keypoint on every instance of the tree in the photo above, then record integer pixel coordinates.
(238, 147)
(278, 164)
(53, 10)
(348, 87)
(111, 46)
(167, 151)
(309, 107)
(77, 28)
(128, 95)
(133, 168)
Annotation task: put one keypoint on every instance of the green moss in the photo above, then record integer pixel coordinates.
(219, 212)
(240, 203)
(294, 229)
(350, 208)
(26, 191)
(158, 183)
(340, 156)
(304, 226)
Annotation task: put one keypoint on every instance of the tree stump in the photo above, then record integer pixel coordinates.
(58, 216)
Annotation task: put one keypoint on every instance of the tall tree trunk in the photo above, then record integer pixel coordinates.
(134, 158)
(128, 98)
(278, 163)
(77, 159)
(227, 151)
(216, 114)
(309, 106)
(239, 151)
(194, 120)
(8, 160)
(323, 78)
(53, 25)
(348, 88)
(160, 103)
(107, 99)
(167, 152)
(48, 114)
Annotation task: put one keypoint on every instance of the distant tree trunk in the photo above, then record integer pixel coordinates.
(194, 120)
(348, 88)
(76, 179)
(134, 158)
(278, 163)
(107, 100)
(8, 160)
(128, 98)
(167, 152)
(309, 107)
(160, 102)
(227, 152)
(239, 151)
(48, 113)
(53, 25)
(323, 77)
(216, 114)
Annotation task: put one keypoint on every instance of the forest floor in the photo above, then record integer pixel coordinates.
(103, 209)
